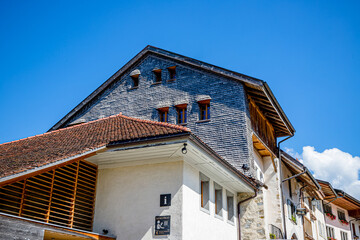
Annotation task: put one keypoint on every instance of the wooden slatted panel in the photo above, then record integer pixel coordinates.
(63, 196)
(262, 126)
(85, 196)
(11, 197)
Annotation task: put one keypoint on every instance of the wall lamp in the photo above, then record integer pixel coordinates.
(184, 150)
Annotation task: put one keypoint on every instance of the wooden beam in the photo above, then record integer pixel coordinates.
(50, 198)
(22, 198)
(73, 201)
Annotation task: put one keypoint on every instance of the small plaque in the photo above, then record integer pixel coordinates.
(165, 200)
(162, 225)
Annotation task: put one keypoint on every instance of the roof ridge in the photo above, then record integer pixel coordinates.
(165, 124)
(63, 129)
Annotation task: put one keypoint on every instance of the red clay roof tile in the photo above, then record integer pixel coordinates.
(39, 150)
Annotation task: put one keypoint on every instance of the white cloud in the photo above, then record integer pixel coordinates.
(339, 168)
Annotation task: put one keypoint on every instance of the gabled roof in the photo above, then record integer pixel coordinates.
(50, 147)
(297, 168)
(340, 198)
(257, 89)
(41, 152)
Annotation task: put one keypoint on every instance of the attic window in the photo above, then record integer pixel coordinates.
(204, 108)
(163, 114)
(135, 78)
(181, 113)
(172, 73)
(157, 74)
(135, 81)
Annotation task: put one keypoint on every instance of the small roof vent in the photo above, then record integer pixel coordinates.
(135, 73)
(77, 122)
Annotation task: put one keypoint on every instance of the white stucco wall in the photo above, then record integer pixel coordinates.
(201, 224)
(291, 227)
(128, 199)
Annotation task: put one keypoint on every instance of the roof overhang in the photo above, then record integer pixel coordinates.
(199, 155)
(148, 150)
(341, 199)
(255, 88)
(307, 178)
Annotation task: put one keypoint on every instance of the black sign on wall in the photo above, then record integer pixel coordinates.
(162, 225)
(165, 200)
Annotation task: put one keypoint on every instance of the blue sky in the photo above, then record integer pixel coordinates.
(54, 54)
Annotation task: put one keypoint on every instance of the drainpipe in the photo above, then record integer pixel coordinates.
(238, 206)
(281, 189)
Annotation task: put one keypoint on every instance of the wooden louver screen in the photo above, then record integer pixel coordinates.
(64, 196)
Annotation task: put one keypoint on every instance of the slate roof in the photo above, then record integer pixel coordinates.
(39, 150)
(256, 88)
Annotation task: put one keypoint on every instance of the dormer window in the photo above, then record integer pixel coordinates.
(181, 113)
(163, 114)
(172, 73)
(204, 108)
(157, 75)
(135, 78)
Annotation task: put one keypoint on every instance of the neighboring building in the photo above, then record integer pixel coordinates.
(105, 179)
(339, 207)
(355, 228)
(301, 191)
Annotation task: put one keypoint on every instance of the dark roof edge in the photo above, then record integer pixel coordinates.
(100, 89)
(209, 150)
(301, 167)
(329, 184)
(199, 143)
(281, 112)
(258, 83)
(346, 195)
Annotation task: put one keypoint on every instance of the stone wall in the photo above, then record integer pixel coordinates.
(252, 217)
(229, 130)
(13, 228)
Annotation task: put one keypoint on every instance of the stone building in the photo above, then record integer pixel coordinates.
(236, 115)
(238, 120)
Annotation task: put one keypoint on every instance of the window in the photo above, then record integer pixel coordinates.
(172, 72)
(163, 114)
(290, 188)
(204, 107)
(157, 75)
(321, 229)
(327, 208)
(135, 79)
(204, 191)
(330, 232)
(344, 235)
(218, 199)
(230, 205)
(341, 215)
(291, 210)
(181, 113)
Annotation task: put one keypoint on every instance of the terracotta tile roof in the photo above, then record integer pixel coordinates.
(39, 150)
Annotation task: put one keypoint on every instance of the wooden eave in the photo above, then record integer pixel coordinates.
(263, 149)
(312, 189)
(343, 200)
(275, 116)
